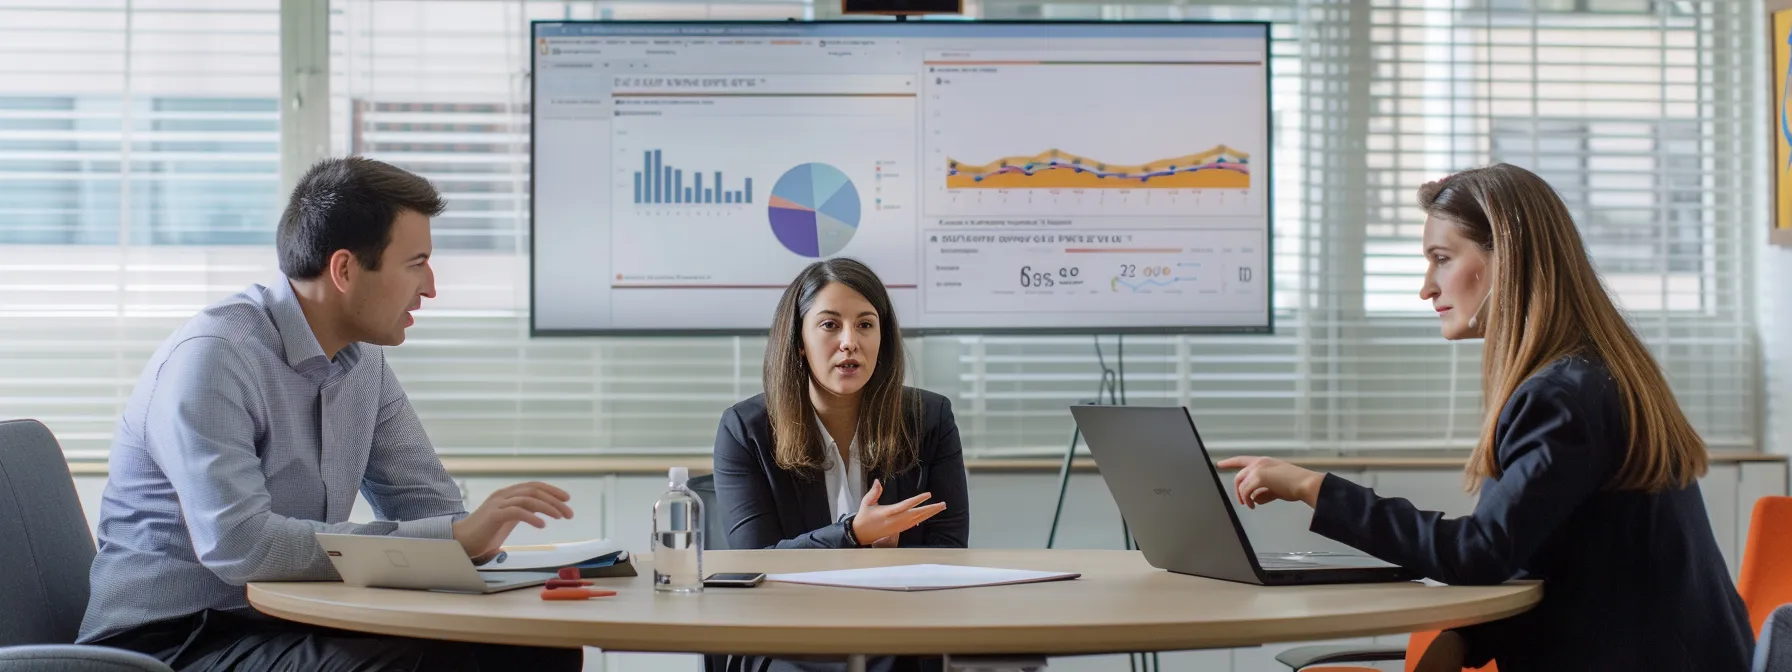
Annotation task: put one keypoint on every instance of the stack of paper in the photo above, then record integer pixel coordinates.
(921, 577)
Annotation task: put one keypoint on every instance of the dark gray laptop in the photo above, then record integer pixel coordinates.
(1176, 504)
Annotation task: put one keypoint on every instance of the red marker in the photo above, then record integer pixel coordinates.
(574, 593)
(569, 583)
(569, 573)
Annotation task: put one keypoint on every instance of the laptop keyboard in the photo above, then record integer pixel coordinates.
(1290, 560)
(1319, 560)
(1276, 562)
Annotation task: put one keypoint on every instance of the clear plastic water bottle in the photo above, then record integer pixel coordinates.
(678, 537)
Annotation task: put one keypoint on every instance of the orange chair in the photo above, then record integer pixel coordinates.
(1316, 658)
(1765, 581)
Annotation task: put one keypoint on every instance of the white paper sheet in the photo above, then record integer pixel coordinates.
(551, 556)
(921, 577)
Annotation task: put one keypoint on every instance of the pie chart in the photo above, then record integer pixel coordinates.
(814, 210)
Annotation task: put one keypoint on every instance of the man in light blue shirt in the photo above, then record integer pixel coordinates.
(256, 424)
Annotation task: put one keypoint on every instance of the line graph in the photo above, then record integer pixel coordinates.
(1119, 282)
(1221, 167)
(1144, 278)
(1137, 140)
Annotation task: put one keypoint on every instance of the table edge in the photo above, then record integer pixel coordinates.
(1049, 640)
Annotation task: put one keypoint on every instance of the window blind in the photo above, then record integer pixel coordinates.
(138, 171)
(1637, 111)
(1634, 111)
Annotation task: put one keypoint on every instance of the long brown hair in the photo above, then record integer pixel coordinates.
(884, 430)
(1547, 303)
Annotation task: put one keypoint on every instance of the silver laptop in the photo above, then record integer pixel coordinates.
(418, 564)
(1177, 507)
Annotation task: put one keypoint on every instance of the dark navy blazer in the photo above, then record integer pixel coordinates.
(1631, 580)
(765, 506)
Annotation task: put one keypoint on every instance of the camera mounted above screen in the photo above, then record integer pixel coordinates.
(902, 8)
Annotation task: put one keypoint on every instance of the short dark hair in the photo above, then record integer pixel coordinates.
(348, 204)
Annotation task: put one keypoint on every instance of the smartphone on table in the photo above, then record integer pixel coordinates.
(734, 579)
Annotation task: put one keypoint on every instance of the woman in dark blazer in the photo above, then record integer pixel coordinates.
(1586, 468)
(837, 453)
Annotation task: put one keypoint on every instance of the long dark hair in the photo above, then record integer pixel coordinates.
(884, 429)
(1547, 303)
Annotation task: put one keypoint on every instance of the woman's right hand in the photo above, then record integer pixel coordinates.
(1262, 480)
(875, 521)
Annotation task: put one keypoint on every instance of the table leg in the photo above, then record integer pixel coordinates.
(855, 663)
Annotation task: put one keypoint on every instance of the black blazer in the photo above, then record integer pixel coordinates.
(1631, 581)
(764, 506)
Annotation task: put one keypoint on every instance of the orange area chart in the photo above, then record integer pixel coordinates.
(1219, 168)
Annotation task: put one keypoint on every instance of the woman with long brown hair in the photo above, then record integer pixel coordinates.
(1587, 471)
(837, 453)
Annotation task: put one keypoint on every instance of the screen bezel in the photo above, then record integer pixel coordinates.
(1267, 328)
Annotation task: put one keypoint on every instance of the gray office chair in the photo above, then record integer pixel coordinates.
(1445, 652)
(1773, 651)
(47, 552)
(715, 536)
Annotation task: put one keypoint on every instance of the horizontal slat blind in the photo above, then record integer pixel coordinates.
(1629, 109)
(138, 175)
(1636, 111)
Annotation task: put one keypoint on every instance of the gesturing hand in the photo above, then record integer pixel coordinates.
(1262, 480)
(484, 530)
(875, 521)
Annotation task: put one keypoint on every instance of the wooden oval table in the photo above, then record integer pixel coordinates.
(1120, 604)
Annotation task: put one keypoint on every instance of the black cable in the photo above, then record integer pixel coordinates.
(1105, 385)
(1117, 393)
(1051, 538)
(1110, 380)
(1113, 382)
(1120, 363)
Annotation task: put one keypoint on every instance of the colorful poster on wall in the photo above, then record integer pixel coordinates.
(1781, 75)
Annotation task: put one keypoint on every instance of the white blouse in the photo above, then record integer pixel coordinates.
(843, 493)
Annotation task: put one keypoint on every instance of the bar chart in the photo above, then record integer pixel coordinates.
(659, 184)
(828, 175)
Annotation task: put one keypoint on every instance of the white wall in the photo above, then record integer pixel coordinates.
(1773, 297)
(1013, 510)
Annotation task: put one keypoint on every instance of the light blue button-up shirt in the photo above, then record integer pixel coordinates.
(240, 441)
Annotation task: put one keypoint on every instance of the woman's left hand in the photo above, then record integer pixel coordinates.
(1262, 480)
(886, 542)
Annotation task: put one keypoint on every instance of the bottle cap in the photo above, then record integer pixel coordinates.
(679, 476)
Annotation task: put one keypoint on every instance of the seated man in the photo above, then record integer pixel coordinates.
(255, 425)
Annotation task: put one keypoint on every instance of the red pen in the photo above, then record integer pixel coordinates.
(574, 593)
